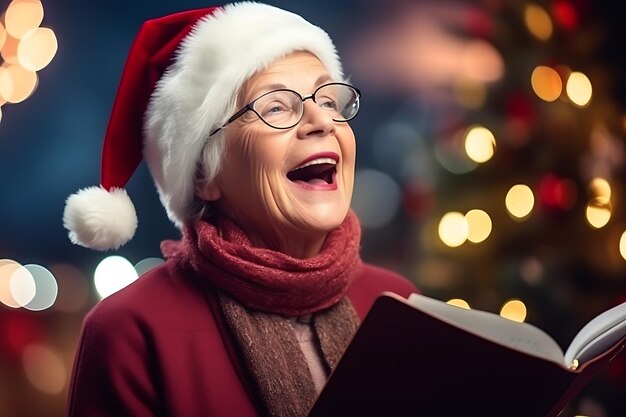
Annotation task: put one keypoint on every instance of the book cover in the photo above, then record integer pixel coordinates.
(407, 361)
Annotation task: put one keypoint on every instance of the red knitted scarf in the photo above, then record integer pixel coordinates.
(265, 279)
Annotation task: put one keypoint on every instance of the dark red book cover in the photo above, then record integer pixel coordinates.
(403, 361)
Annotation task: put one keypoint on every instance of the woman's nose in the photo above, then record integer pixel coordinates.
(315, 121)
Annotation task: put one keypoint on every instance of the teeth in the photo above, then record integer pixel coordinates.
(317, 162)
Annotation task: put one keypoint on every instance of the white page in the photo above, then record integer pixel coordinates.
(523, 337)
(597, 335)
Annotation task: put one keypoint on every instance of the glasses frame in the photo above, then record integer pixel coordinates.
(250, 106)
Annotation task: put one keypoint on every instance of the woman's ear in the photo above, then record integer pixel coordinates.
(207, 191)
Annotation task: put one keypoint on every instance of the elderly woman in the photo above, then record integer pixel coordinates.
(241, 115)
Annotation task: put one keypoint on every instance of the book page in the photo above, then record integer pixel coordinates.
(598, 335)
(523, 337)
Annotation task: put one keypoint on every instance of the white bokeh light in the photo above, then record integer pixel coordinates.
(112, 274)
(147, 264)
(22, 285)
(46, 288)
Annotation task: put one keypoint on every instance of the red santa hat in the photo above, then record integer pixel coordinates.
(180, 83)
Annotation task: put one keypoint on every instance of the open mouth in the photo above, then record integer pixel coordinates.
(320, 171)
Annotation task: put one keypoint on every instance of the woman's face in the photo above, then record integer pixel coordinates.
(254, 187)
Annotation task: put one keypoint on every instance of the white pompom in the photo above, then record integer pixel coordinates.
(100, 219)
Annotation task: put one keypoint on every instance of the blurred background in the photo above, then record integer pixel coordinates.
(491, 165)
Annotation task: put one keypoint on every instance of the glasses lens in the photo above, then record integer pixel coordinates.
(279, 109)
(340, 99)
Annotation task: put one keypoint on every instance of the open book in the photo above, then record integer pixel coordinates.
(421, 356)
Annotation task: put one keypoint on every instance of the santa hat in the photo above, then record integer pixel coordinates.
(179, 84)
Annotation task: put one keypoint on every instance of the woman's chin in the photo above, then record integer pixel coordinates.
(321, 221)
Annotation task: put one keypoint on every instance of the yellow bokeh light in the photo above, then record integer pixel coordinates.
(17, 83)
(453, 229)
(578, 89)
(622, 245)
(520, 201)
(538, 21)
(598, 212)
(23, 16)
(479, 144)
(546, 83)
(514, 310)
(37, 49)
(599, 187)
(458, 302)
(479, 224)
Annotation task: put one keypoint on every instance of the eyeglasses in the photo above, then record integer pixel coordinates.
(283, 108)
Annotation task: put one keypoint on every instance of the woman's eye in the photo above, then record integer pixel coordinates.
(274, 108)
(327, 103)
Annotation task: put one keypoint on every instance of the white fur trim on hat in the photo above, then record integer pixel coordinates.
(199, 90)
(100, 219)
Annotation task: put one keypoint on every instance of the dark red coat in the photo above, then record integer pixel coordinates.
(159, 348)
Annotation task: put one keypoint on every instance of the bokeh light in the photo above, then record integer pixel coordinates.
(546, 83)
(459, 302)
(598, 212)
(578, 89)
(46, 288)
(599, 187)
(74, 291)
(7, 267)
(23, 16)
(147, 264)
(479, 225)
(22, 285)
(520, 201)
(482, 62)
(37, 48)
(3, 35)
(21, 329)
(450, 153)
(532, 271)
(514, 310)
(44, 369)
(376, 197)
(9, 50)
(453, 229)
(112, 274)
(565, 14)
(557, 193)
(538, 21)
(622, 245)
(17, 83)
(470, 93)
(479, 143)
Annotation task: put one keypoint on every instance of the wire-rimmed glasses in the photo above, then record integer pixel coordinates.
(283, 108)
